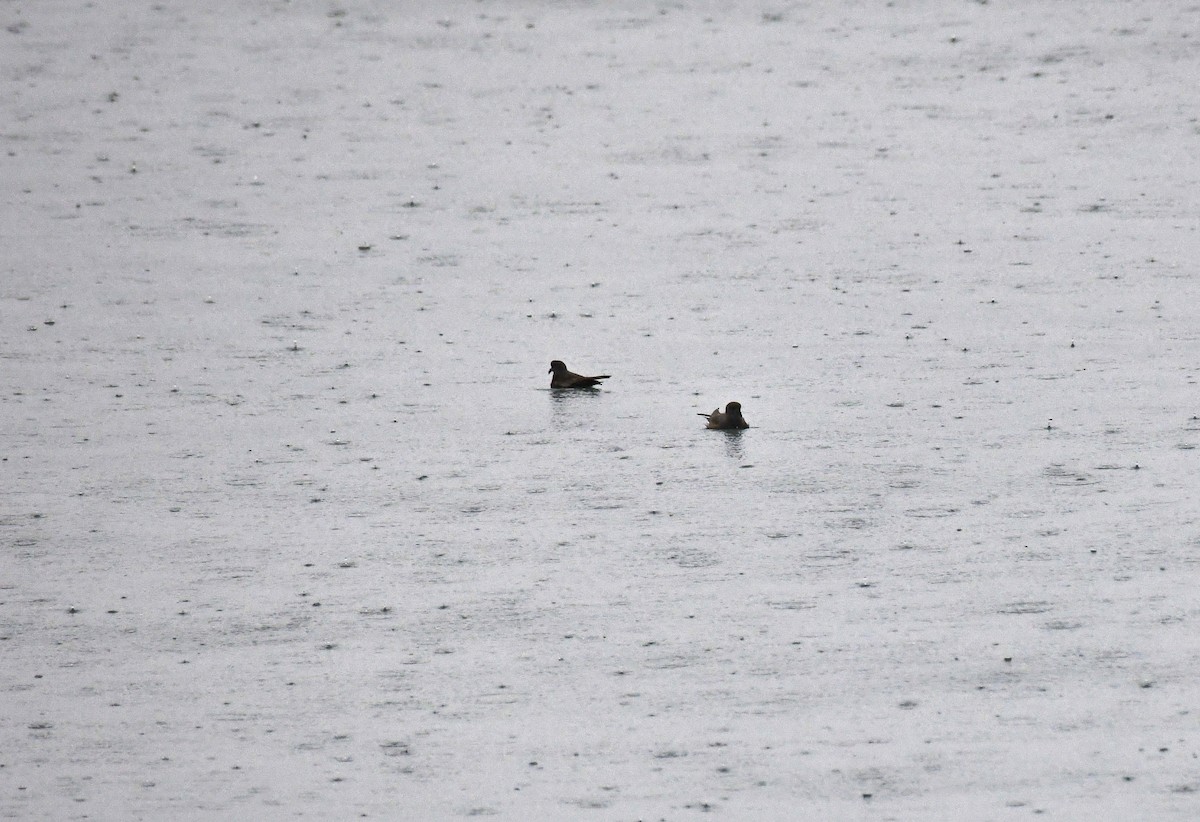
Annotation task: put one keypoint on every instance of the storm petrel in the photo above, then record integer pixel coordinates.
(730, 419)
(565, 379)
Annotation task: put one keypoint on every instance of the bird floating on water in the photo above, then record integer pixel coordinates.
(729, 419)
(566, 379)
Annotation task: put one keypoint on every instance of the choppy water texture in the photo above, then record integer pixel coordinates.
(293, 526)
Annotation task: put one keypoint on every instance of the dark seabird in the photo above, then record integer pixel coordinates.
(730, 419)
(565, 379)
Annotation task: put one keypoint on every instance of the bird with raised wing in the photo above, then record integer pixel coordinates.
(729, 419)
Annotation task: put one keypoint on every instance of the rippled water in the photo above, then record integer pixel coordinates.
(293, 523)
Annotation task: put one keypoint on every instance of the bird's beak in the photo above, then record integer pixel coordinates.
(551, 371)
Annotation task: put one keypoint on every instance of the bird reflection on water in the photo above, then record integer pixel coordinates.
(734, 446)
(565, 404)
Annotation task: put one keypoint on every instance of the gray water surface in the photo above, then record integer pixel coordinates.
(293, 525)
